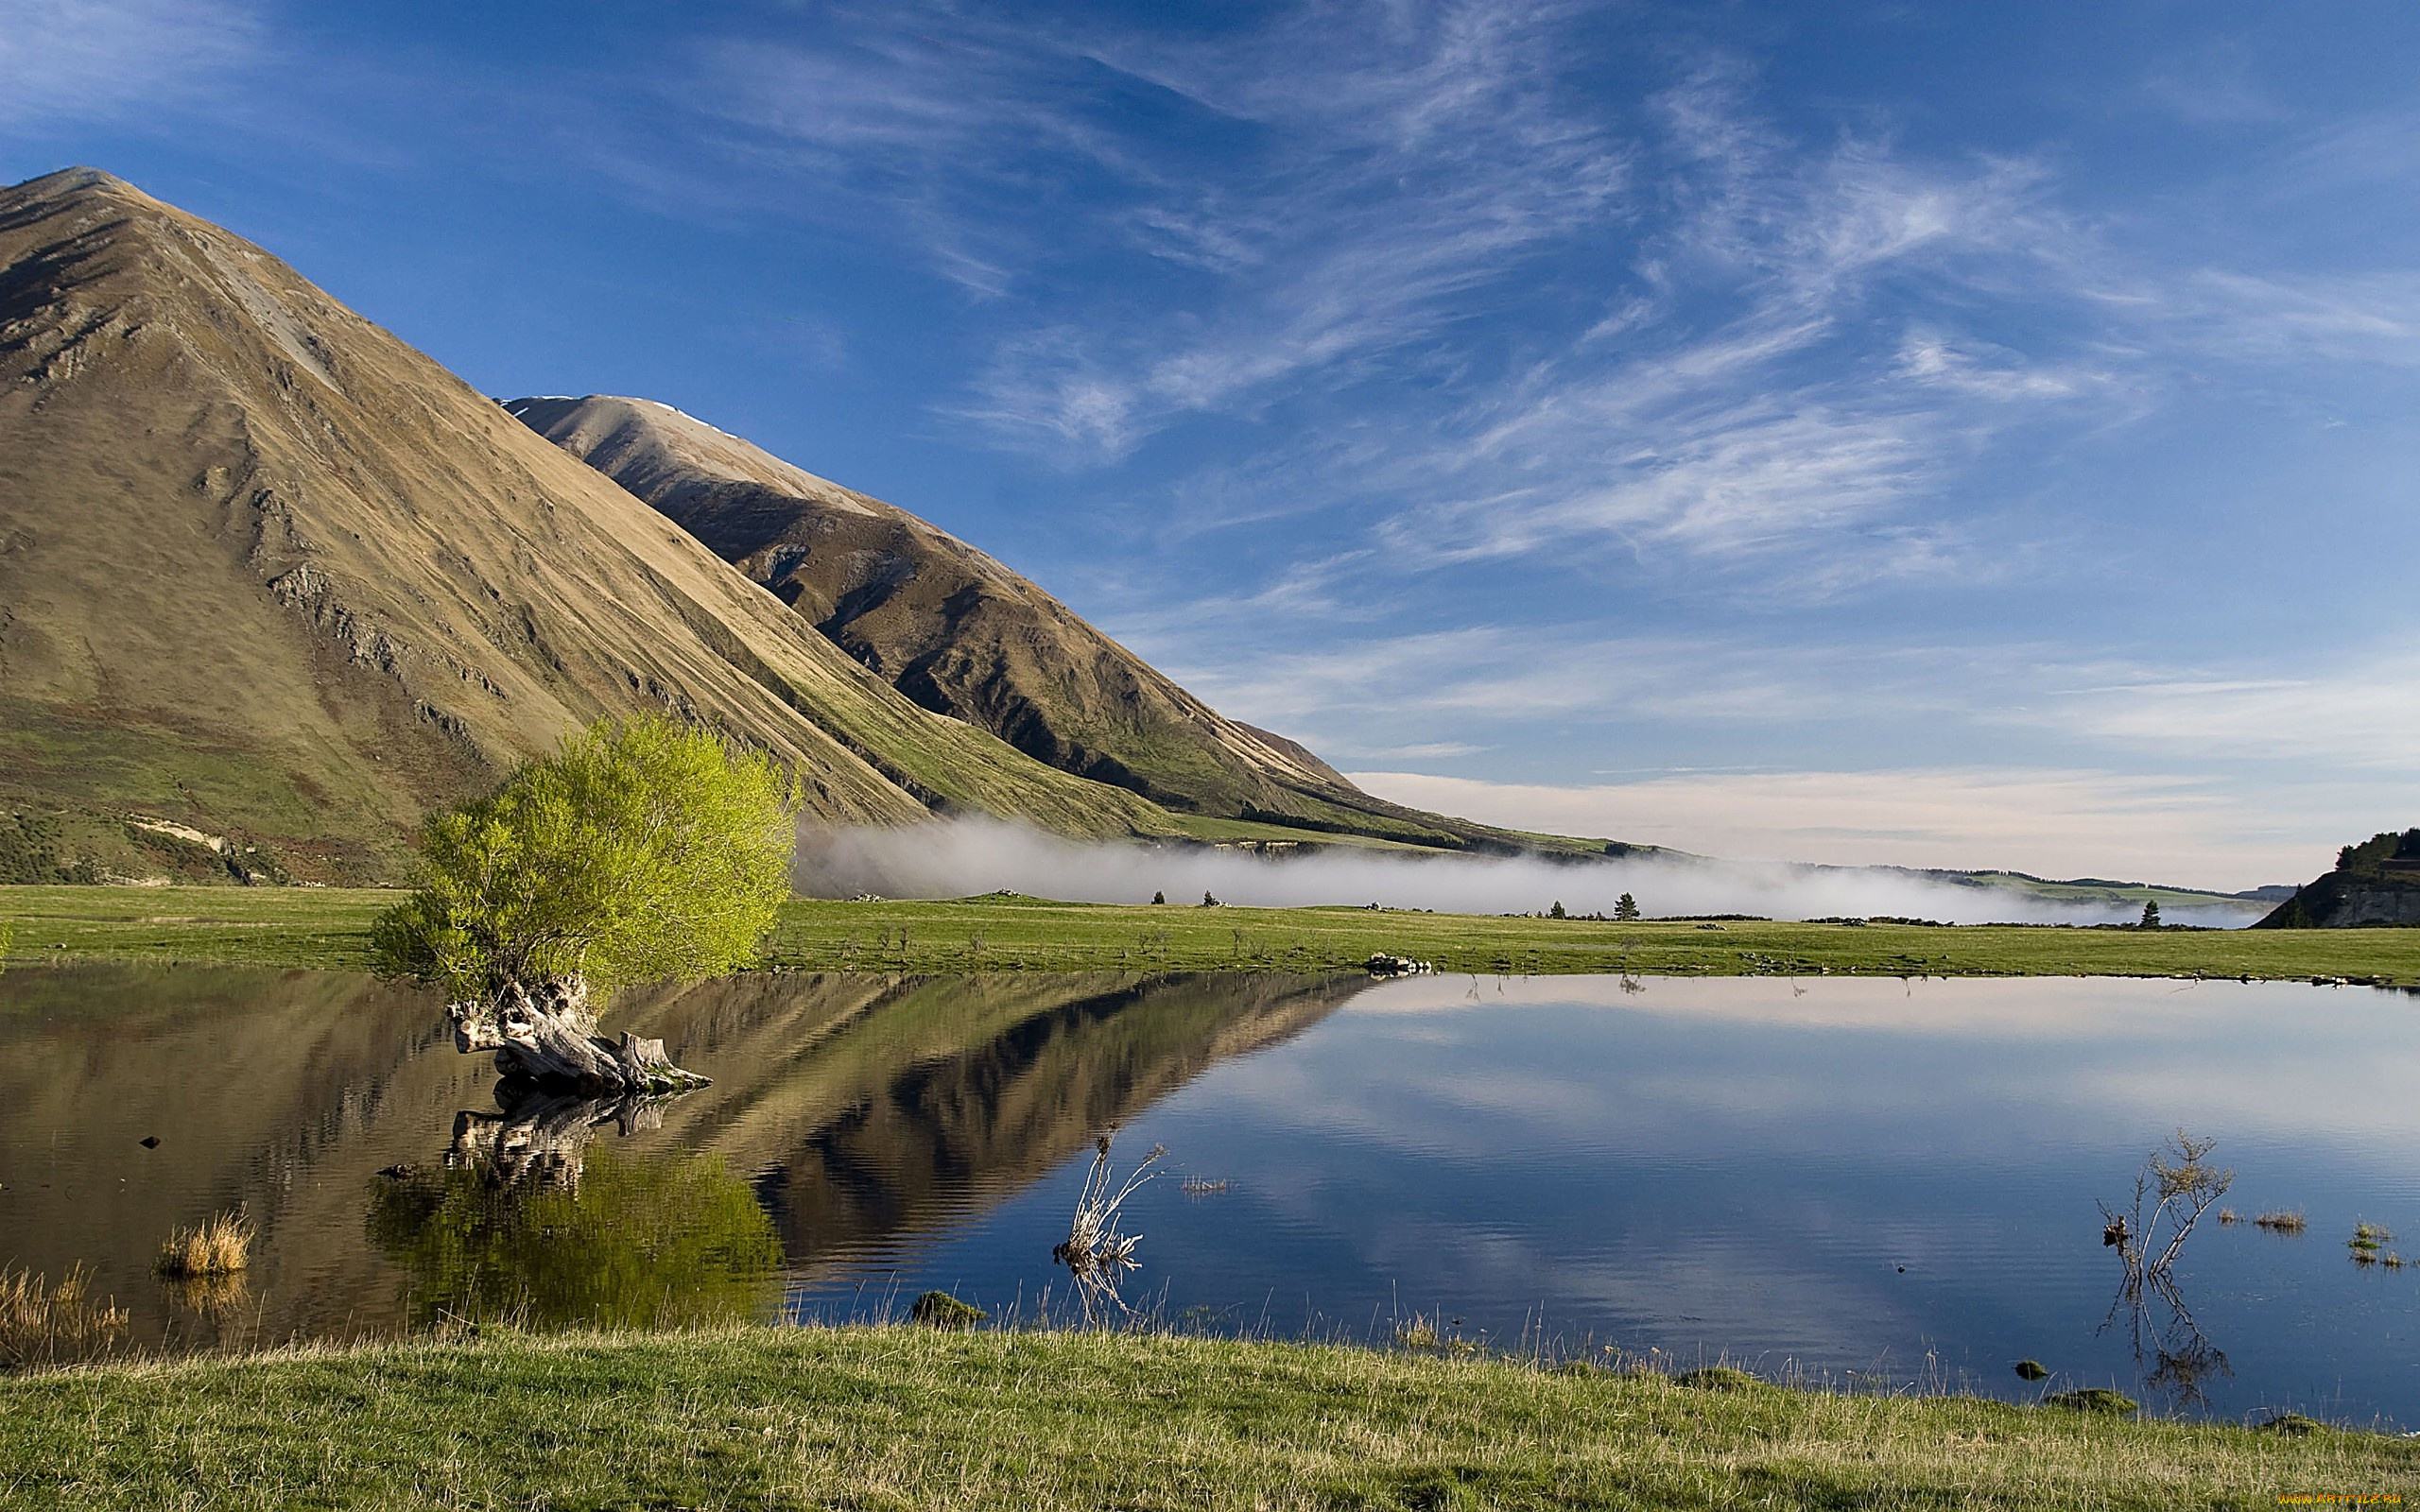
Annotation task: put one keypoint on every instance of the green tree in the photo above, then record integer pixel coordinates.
(1626, 907)
(643, 850)
(1556, 912)
(2150, 913)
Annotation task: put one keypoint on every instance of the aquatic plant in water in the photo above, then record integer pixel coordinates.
(45, 1324)
(222, 1244)
(1096, 1253)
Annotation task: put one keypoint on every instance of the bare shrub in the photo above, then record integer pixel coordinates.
(2180, 1177)
(1096, 1253)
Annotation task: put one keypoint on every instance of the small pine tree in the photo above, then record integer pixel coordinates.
(1159, 898)
(1207, 901)
(2150, 913)
(1626, 907)
(1556, 912)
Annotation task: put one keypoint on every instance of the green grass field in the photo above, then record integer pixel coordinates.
(902, 1416)
(327, 927)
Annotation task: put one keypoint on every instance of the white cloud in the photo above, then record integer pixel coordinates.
(1443, 682)
(1389, 167)
(2370, 319)
(2361, 715)
(2056, 823)
(102, 60)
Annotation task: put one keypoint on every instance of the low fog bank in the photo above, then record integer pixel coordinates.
(962, 857)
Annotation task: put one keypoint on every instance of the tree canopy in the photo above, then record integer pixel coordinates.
(643, 850)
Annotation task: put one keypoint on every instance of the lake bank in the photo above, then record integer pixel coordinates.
(900, 1417)
(328, 928)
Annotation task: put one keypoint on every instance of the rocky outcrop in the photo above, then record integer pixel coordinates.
(2375, 885)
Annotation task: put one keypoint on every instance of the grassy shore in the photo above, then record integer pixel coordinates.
(903, 1417)
(328, 927)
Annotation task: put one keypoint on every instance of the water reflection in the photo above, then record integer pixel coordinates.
(850, 1115)
(621, 1240)
(540, 1137)
(936, 1098)
(2175, 1361)
(1849, 1177)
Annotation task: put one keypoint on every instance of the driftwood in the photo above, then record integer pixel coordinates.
(545, 1033)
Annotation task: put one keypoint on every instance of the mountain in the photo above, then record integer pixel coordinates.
(961, 635)
(2376, 883)
(272, 583)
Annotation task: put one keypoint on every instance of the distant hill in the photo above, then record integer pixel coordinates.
(961, 634)
(2376, 883)
(272, 583)
(2103, 892)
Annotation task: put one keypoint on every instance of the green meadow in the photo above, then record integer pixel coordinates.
(903, 1416)
(328, 928)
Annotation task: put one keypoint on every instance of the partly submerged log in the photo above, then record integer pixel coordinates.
(545, 1033)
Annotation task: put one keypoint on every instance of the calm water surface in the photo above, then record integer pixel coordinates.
(1876, 1181)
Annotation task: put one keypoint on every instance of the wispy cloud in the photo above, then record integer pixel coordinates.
(110, 60)
(1656, 333)
(2050, 823)
(1372, 174)
(2359, 716)
(1507, 675)
(2368, 318)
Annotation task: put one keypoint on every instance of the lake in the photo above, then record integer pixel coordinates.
(1878, 1183)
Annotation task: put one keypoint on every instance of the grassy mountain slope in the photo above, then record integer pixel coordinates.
(962, 635)
(272, 575)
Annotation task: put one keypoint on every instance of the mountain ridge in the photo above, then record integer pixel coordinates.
(268, 573)
(960, 633)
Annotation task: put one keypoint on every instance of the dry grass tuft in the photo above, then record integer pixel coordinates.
(2282, 1222)
(41, 1324)
(220, 1247)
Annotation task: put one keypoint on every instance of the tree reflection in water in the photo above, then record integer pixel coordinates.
(528, 1225)
(2172, 1356)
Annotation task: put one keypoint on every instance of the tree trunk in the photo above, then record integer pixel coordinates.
(545, 1034)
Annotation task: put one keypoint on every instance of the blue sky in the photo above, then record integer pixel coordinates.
(1951, 434)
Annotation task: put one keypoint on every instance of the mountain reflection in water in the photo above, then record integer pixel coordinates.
(1870, 1180)
(848, 1113)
